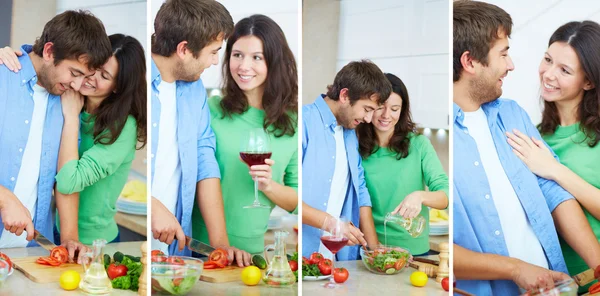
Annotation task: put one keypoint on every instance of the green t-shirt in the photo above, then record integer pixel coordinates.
(390, 180)
(99, 176)
(245, 227)
(583, 161)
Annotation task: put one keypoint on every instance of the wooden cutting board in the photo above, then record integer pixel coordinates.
(43, 273)
(222, 275)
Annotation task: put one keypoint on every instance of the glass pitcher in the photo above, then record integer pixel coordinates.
(414, 226)
(279, 273)
(95, 280)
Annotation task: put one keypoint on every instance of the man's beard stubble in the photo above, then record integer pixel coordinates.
(185, 73)
(483, 89)
(45, 81)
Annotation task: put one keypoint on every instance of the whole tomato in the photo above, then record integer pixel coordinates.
(293, 265)
(325, 266)
(446, 284)
(157, 253)
(115, 271)
(305, 261)
(315, 258)
(340, 275)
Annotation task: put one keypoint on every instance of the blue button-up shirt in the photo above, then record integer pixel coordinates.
(318, 164)
(196, 142)
(16, 111)
(476, 218)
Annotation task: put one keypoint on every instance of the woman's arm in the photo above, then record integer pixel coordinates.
(541, 162)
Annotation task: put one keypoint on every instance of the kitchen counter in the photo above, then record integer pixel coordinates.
(16, 283)
(434, 241)
(364, 282)
(135, 223)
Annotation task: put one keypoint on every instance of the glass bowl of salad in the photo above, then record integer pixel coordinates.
(175, 275)
(385, 259)
(566, 287)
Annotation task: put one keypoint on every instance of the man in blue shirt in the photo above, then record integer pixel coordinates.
(505, 218)
(72, 45)
(333, 182)
(188, 36)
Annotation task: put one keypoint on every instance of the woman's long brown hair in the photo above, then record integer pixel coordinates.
(280, 98)
(400, 141)
(584, 38)
(129, 97)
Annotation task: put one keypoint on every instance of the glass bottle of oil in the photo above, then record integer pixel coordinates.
(95, 280)
(279, 272)
(414, 226)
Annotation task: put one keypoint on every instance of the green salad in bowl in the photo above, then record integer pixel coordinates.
(175, 275)
(385, 259)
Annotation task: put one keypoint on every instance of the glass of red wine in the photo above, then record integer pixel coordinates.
(254, 151)
(332, 237)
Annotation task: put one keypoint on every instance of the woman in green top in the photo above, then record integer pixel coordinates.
(398, 163)
(569, 74)
(260, 91)
(112, 122)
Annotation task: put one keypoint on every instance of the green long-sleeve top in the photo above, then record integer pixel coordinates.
(390, 180)
(99, 176)
(568, 143)
(245, 227)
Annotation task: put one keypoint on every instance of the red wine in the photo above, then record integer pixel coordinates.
(255, 158)
(334, 244)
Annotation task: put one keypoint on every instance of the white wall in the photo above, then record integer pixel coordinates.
(118, 16)
(408, 38)
(534, 21)
(283, 12)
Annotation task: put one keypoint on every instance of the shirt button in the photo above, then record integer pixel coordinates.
(487, 196)
(329, 180)
(24, 81)
(458, 113)
(154, 124)
(497, 232)
(26, 121)
(333, 157)
(466, 132)
(324, 203)
(476, 163)
(31, 94)
(20, 149)
(12, 178)
(151, 155)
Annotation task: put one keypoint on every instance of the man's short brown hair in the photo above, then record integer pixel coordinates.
(476, 28)
(362, 79)
(75, 34)
(199, 22)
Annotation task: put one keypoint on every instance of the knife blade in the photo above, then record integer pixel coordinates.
(198, 246)
(43, 241)
(584, 278)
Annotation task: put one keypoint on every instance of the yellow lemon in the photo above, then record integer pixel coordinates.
(69, 280)
(418, 279)
(251, 275)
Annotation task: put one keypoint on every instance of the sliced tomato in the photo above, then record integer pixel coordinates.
(177, 281)
(7, 259)
(53, 261)
(219, 256)
(595, 288)
(60, 254)
(157, 253)
(175, 260)
(210, 265)
(399, 264)
(41, 261)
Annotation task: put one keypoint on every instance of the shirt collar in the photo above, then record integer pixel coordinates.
(155, 78)
(326, 115)
(491, 110)
(27, 72)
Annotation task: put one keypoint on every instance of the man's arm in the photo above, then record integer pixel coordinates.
(469, 265)
(316, 218)
(574, 228)
(15, 217)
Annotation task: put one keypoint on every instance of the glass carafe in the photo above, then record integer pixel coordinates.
(95, 280)
(279, 272)
(414, 226)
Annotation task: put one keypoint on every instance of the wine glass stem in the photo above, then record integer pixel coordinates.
(331, 280)
(256, 191)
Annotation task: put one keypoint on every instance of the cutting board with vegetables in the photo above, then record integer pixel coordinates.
(43, 273)
(222, 275)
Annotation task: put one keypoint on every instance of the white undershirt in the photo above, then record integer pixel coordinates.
(167, 167)
(339, 182)
(521, 241)
(26, 188)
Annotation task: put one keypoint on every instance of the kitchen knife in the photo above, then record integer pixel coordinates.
(584, 278)
(43, 241)
(198, 246)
